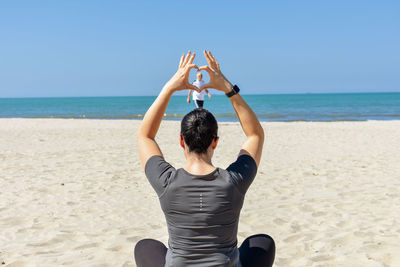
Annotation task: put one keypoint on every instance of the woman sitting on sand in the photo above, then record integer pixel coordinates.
(202, 203)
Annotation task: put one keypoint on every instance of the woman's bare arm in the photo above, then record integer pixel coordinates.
(148, 147)
(251, 127)
(248, 120)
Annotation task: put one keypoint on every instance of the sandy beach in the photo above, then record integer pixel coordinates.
(73, 192)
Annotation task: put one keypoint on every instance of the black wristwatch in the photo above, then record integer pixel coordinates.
(234, 91)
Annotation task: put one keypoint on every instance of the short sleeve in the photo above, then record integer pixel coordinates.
(158, 172)
(243, 171)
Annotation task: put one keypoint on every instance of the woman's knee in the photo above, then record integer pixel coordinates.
(149, 244)
(260, 240)
(257, 250)
(150, 253)
(140, 245)
(266, 240)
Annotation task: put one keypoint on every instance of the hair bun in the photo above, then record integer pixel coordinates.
(199, 128)
(197, 123)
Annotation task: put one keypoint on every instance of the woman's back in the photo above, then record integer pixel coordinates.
(202, 211)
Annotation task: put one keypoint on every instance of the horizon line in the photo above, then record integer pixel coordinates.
(307, 93)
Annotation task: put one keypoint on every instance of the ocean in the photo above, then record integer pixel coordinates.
(285, 107)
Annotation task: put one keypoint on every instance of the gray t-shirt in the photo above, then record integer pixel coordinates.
(202, 211)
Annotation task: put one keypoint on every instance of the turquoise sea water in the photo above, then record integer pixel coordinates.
(290, 107)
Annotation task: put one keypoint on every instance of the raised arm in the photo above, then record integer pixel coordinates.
(251, 127)
(148, 147)
(188, 98)
(248, 120)
(208, 93)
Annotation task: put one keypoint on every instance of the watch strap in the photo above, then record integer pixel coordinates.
(234, 91)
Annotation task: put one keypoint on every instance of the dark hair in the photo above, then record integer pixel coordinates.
(199, 128)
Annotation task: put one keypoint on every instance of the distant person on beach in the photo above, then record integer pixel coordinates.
(198, 97)
(201, 202)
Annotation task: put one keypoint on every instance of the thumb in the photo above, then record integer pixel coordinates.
(191, 66)
(194, 87)
(206, 68)
(205, 86)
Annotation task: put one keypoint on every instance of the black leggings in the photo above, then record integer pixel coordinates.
(199, 103)
(255, 251)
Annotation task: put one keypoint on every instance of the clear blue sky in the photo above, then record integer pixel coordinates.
(103, 48)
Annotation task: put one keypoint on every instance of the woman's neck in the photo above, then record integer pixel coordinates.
(199, 164)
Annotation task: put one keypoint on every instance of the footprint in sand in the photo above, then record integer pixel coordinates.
(306, 208)
(47, 243)
(116, 248)
(342, 224)
(133, 239)
(318, 214)
(279, 221)
(292, 238)
(13, 221)
(18, 264)
(90, 245)
(155, 226)
(342, 240)
(128, 264)
(322, 258)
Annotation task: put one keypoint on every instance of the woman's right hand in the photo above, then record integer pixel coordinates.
(217, 79)
(180, 81)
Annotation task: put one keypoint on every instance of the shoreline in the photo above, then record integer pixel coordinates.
(179, 119)
(216, 93)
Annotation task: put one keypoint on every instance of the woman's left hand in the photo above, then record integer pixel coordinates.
(180, 81)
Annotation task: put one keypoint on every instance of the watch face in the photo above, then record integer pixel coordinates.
(234, 91)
